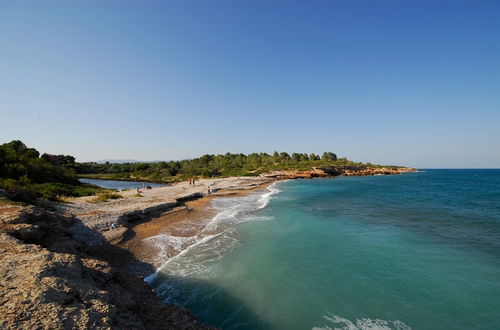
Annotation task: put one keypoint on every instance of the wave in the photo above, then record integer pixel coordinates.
(236, 210)
(341, 323)
(232, 211)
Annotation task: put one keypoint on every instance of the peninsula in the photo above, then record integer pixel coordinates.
(72, 253)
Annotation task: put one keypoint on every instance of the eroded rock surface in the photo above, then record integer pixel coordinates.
(49, 281)
(336, 171)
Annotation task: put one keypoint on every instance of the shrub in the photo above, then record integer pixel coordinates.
(4, 200)
(105, 196)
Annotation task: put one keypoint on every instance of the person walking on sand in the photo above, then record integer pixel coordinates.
(209, 192)
(194, 180)
(190, 181)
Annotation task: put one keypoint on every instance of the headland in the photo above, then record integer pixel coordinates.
(81, 263)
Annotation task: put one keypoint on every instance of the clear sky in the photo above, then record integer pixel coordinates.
(408, 82)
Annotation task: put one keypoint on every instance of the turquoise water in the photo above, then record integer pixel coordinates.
(419, 251)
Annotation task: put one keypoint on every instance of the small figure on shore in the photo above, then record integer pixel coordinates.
(209, 192)
(189, 181)
(194, 179)
(137, 189)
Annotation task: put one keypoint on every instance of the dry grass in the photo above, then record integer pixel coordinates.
(104, 197)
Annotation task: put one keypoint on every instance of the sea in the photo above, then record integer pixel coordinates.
(412, 251)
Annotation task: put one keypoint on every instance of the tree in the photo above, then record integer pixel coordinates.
(329, 156)
(284, 156)
(313, 156)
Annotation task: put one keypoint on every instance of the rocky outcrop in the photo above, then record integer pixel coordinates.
(50, 280)
(141, 214)
(336, 171)
(377, 171)
(285, 175)
(188, 197)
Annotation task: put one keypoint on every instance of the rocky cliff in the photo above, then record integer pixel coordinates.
(377, 171)
(51, 280)
(336, 171)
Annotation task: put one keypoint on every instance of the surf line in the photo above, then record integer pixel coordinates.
(224, 214)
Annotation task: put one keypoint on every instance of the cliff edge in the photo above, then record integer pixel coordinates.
(51, 281)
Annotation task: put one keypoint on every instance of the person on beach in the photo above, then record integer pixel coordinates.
(209, 192)
(189, 181)
(194, 179)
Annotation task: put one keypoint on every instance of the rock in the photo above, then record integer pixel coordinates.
(62, 286)
(11, 214)
(377, 171)
(32, 232)
(188, 197)
(336, 171)
(332, 171)
(286, 175)
(41, 289)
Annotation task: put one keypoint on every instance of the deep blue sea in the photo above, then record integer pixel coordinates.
(412, 251)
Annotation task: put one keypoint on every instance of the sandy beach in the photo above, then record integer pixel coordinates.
(160, 222)
(180, 212)
(182, 225)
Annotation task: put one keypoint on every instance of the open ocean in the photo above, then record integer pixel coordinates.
(413, 251)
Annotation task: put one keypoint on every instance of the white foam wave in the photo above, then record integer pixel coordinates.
(233, 211)
(197, 241)
(176, 243)
(341, 323)
(239, 209)
(199, 263)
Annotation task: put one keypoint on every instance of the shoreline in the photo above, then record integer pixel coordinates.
(126, 222)
(99, 245)
(180, 211)
(187, 222)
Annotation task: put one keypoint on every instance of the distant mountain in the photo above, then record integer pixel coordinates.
(123, 161)
(118, 161)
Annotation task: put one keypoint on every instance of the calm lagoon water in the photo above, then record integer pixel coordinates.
(419, 251)
(120, 185)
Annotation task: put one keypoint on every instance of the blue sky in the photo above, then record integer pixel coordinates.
(410, 82)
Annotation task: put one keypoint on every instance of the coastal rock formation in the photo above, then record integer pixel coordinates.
(56, 284)
(285, 175)
(377, 171)
(336, 171)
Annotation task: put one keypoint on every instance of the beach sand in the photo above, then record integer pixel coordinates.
(186, 221)
(136, 224)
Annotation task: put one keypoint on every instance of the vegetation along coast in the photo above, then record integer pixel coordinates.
(74, 255)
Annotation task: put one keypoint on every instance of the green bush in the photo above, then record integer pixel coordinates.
(25, 175)
(105, 196)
